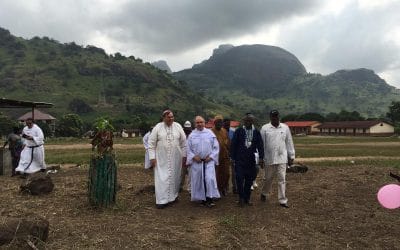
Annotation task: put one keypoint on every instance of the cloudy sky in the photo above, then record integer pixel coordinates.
(325, 35)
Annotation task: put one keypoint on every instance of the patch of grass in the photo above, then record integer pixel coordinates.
(365, 162)
(82, 156)
(74, 140)
(230, 221)
(346, 150)
(342, 139)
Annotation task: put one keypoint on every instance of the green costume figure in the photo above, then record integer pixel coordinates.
(103, 167)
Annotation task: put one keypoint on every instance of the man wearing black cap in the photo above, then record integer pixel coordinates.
(278, 152)
(245, 142)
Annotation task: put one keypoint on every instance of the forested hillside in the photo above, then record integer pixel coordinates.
(91, 83)
(259, 77)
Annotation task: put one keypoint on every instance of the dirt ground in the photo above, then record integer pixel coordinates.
(330, 208)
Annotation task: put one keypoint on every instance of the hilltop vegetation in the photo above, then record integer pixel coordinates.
(234, 80)
(258, 78)
(88, 82)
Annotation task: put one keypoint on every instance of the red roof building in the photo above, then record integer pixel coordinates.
(303, 127)
(371, 128)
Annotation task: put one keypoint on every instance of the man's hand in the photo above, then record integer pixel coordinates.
(153, 163)
(197, 159)
(208, 158)
(290, 162)
(261, 163)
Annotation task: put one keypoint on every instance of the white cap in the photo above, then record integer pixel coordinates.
(187, 124)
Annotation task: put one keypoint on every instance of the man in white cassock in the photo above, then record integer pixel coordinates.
(32, 156)
(146, 137)
(202, 156)
(167, 147)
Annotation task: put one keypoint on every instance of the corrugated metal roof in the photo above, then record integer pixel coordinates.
(350, 124)
(10, 103)
(301, 123)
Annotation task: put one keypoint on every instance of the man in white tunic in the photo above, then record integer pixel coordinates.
(146, 137)
(167, 147)
(278, 153)
(202, 156)
(32, 156)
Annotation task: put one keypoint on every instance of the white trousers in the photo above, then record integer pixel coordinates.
(280, 171)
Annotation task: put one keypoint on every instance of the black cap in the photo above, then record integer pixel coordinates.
(248, 116)
(274, 112)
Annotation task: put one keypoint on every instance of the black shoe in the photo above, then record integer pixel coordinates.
(161, 206)
(241, 203)
(263, 198)
(248, 203)
(210, 204)
(174, 201)
(285, 205)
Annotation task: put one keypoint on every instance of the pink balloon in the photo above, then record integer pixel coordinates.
(389, 196)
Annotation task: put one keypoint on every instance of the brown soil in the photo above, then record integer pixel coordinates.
(331, 208)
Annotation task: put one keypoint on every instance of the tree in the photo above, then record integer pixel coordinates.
(311, 117)
(45, 128)
(394, 112)
(289, 117)
(6, 124)
(70, 125)
(79, 106)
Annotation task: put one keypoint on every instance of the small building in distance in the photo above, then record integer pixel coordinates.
(303, 127)
(357, 128)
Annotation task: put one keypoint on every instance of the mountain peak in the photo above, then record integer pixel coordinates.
(359, 75)
(161, 64)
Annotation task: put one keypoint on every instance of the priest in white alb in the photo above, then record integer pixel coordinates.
(32, 156)
(167, 149)
(202, 156)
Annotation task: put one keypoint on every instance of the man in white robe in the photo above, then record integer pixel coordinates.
(32, 156)
(146, 137)
(202, 156)
(279, 153)
(167, 147)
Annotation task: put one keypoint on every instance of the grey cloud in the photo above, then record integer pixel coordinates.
(174, 26)
(353, 39)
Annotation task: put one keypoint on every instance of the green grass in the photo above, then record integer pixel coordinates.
(365, 162)
(346, 150)
(341, 139)
(230, 221)
(82, 156)
(306, 147)
(73, 140)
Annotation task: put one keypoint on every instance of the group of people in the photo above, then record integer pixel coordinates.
(209, 156)
(26, 149)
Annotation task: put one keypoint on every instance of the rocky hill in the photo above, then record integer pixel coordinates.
(259, 77)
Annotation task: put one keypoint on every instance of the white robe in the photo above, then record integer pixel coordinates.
(146, 147)
(203, 184)
(167, 145)
(32, 162)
